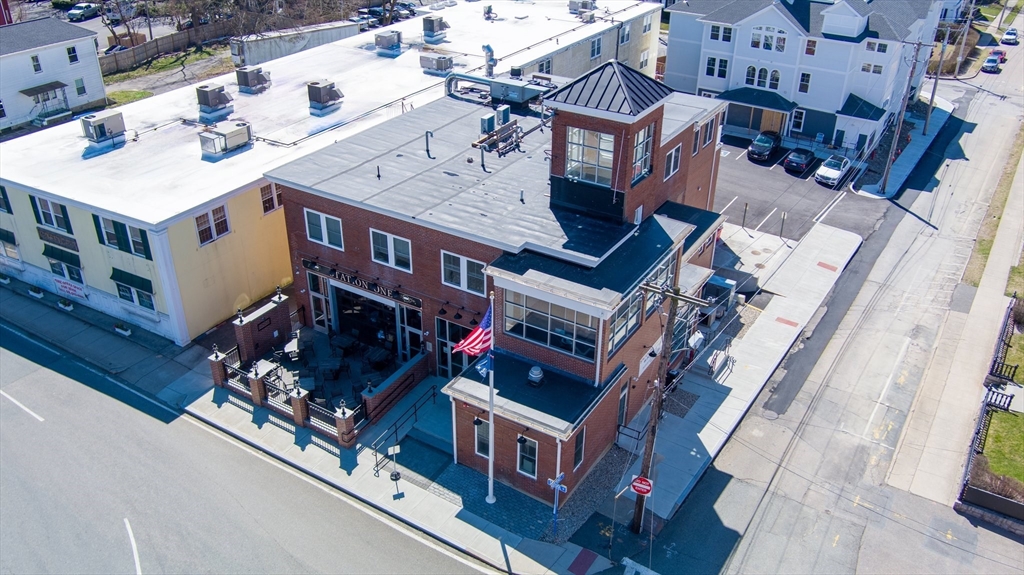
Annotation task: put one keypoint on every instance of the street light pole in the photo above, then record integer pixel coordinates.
(965, 30)
(675, 297)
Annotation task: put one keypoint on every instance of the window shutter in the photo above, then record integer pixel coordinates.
(99, 229)
(35, 209)
(145, 245)
(124, 243)
(64, 212)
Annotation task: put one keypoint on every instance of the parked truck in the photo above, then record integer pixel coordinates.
(259, 48)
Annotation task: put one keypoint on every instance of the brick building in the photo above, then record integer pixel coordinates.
(561, 208)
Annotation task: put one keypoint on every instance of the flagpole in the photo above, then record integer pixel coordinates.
(490, 413)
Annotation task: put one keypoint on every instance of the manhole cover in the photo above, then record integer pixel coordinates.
(759, 266)
(769, 415)
(755, 252)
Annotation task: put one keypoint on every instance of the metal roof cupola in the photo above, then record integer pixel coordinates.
(604, 134)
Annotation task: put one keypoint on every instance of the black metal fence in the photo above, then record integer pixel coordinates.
(974, 495)
(999, 368)
(390, 436)
(277, 399)
(323, 420)
(232, 358)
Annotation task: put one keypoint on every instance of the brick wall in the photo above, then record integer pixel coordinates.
(381, 400)
(258, 334)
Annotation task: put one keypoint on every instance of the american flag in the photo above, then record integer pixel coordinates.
(478, 340)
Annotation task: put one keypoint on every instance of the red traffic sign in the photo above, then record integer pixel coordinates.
(641, 486)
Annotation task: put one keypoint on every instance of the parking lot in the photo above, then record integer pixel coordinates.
(766, 191)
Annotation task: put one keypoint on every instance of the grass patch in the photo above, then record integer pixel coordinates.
(1004, 446)
(1015, 283)
(165, 64)
(122, 97)
(987, 233)
(1015, 356)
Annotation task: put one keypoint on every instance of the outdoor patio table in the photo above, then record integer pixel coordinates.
(265, 367)
(292, 349)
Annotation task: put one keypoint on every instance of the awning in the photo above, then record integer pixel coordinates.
(60, 255)
(758, 99)
(8, 237)
(132, 280)
(857, 107)
(42, 89)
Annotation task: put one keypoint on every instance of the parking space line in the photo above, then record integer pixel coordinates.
(18, 403)
(782, 159)
(743, 153)
(723, 210)
(765, 219)
(135, 549)
(828, 207)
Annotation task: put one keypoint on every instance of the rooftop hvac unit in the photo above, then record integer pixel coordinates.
(587, 16)
(574, 6)
(222, 141)
(434, 24)
(388, 39)
(323, 97)
(252, 79)
(436, 64)
(487, 124)
(516, 72)
(504, 114)
(102, 126)
(588, 5)
(212, 96)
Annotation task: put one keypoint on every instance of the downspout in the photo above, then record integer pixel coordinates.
(455, 435)
(558, 457)
(714, 164)
(599, 356)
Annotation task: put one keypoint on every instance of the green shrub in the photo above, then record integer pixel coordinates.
(63, 4)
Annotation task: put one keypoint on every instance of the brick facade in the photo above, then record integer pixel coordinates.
(263, 329)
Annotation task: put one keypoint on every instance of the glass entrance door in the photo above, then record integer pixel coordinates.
(449, 363)
(412, 332)
(319, 305)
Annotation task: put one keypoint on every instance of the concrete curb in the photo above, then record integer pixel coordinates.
(988, 516)
(356, 496)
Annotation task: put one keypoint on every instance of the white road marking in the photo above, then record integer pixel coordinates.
(135, 550)
(743, 153)
(828, 207)
(723, 210)
(18, 403)
(333, 491)
(765, 219)
(25, 336)
(885, 389)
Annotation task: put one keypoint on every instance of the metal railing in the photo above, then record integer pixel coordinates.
(299, 315)
(380, 459)
(278, 398)
(231, 357)
(322, 420)
(360, 420)
(999, 368)
(397, 392)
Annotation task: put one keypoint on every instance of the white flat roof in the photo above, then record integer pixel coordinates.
(160, 174)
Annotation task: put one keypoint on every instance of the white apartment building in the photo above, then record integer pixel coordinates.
(50, 70)
(832, 73)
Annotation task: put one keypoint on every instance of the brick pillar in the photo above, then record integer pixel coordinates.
(300, 407)
(243, 335)
(346, 422)
(217, 369)
(258, 390)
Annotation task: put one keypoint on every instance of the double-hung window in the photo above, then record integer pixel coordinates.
(324, 229)
(483, 439)
(726, 34)
(723, 67)
(642, 152)
(805, 82)
(37, 67)
(648, 19)
(544, 66)
(80, 87)
(212, 225)
(5, 202)
(578, 448)
(271, 198)
(672, 161)
(696, 139)
(8, 245)
(51, 214)
(128, 239)
(72, 55)
(463, 273)
(798, 120)
(645, 57)
(589, 156)
(709, 131)
(391, 250)
(527, 463)
(811, 47)
(595, 48)
(67, 265)
(134, 289)
(624, 33)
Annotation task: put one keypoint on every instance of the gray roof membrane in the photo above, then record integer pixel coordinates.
(502, 201)
(38, 33)
(887, 19)
(612, 87)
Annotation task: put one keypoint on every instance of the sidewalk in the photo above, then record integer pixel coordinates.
(930, 458)
(180, 377)
(912, 153)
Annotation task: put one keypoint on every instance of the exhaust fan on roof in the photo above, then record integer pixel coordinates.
(252, 79)
(223, 140)
(324, 98)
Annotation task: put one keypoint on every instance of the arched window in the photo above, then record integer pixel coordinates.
(773, 84)
(751, 72)
(762, 77)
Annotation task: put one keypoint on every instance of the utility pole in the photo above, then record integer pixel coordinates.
(935, 84)
(899, 120)
(964, 31)
(659, 387)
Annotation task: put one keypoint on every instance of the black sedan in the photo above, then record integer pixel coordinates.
(764, 145)
(798, 160)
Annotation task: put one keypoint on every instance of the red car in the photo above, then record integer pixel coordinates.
(998, 53)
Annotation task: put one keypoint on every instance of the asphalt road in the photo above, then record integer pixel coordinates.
(96, 479)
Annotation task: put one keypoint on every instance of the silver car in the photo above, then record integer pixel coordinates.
(83, 11)
(833, 170)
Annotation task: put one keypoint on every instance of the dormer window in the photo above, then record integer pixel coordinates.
(589, 156)
(642, 152)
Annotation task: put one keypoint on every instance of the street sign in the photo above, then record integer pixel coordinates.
(641, 486)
